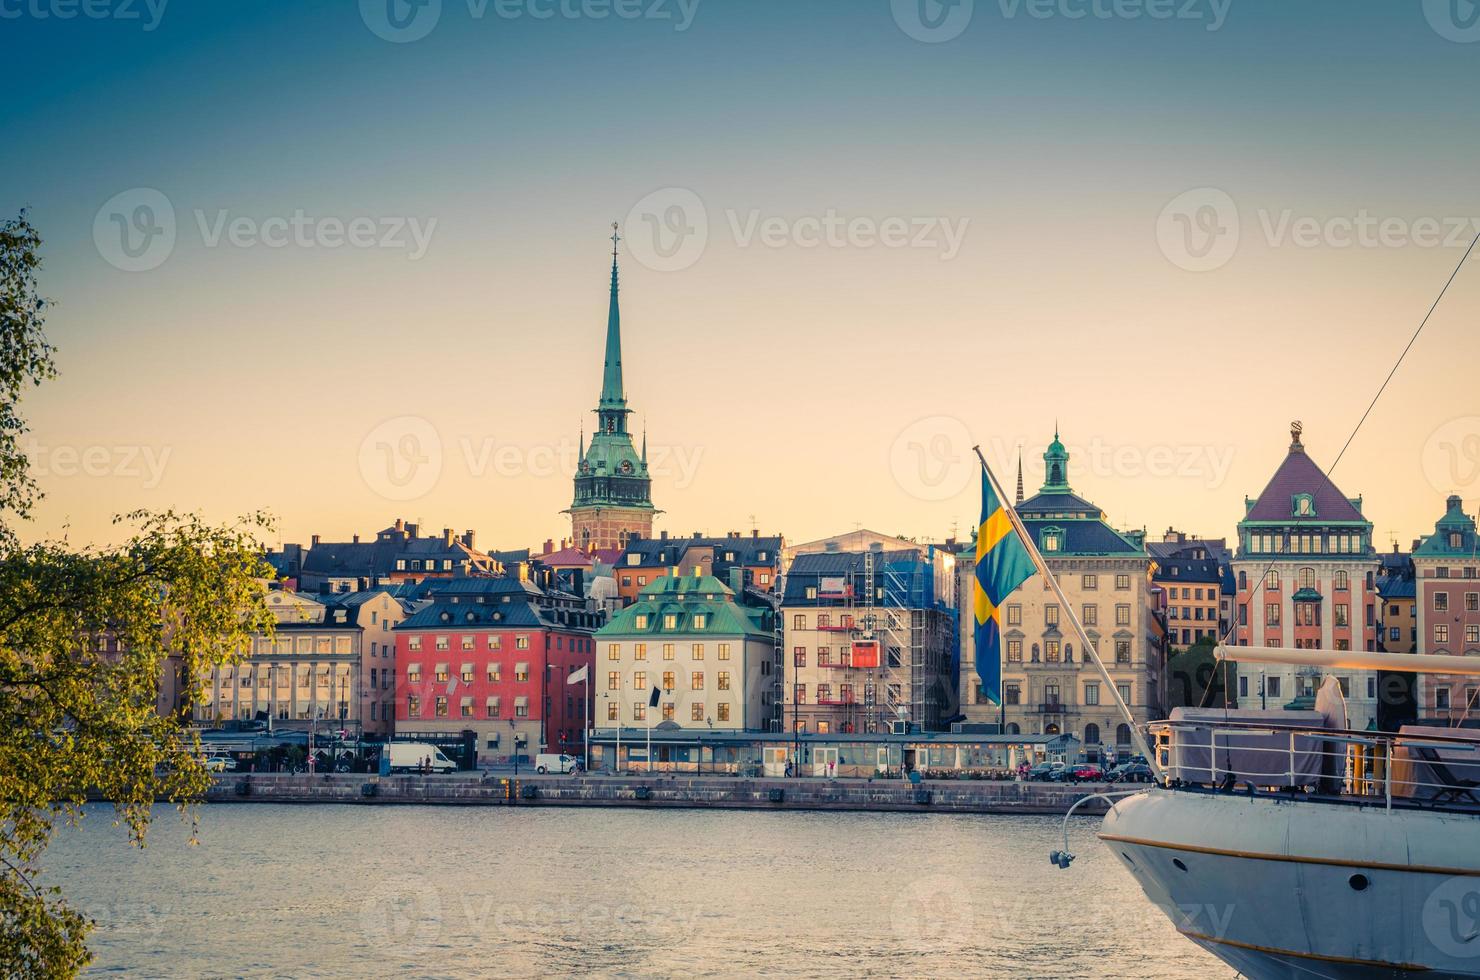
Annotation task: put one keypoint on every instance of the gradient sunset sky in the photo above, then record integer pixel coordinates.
(1152, 251)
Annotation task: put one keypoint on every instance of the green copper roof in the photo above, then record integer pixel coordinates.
(686, 598)
(1454, 534)
(1055, 467)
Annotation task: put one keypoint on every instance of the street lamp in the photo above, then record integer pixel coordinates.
(514, 746)
(710, 723)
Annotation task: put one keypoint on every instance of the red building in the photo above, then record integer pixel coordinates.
(493, 656)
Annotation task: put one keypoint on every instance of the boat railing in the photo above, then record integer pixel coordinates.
(1402, 769)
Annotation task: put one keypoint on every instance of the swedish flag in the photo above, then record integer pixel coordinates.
(1002, 564)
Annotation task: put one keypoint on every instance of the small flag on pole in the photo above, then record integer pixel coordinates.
(576, 677)
(1002, 564)
(653, 698)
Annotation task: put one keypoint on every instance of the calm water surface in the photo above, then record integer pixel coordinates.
(347, 891)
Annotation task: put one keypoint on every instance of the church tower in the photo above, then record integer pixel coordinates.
(613, 492)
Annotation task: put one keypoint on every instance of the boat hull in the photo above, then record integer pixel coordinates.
(1295, 889)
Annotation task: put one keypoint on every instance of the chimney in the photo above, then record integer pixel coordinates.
(755, 532)
(697, 535)
(663, 536)
(400, 524)
(355, 538)
(468, 538)
(314, 541)
(447, 537)
(412, 530)
(737, 580)
(550, 546)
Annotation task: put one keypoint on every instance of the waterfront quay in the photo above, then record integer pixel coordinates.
(660, 790)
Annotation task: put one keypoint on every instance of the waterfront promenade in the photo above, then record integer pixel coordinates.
(660, 790)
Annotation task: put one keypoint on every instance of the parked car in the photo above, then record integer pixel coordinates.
(1044, 771)
(1084, 772)
(219, 763)
(556, 762)
(1130, 772)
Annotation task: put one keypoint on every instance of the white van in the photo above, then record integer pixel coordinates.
(410, 756)
(549, 762)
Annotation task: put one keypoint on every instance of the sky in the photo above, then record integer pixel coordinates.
(349, 262)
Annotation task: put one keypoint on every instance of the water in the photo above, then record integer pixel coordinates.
(347, 891)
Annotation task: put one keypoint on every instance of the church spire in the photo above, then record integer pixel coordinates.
(613, 394)
(1020, 477)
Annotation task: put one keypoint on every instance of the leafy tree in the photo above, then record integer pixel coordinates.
(85, 637)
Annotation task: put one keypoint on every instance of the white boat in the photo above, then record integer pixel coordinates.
(1292, 849)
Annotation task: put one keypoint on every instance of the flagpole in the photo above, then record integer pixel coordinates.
(587, 719)
(1084, 641)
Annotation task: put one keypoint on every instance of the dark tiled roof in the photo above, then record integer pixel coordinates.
(670, 551)
(1297, 474)
(1057, 503)
(1171, 571)
(807, 569)
(1082, 537)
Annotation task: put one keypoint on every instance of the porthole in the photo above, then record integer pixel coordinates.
(1358, 882)
(1177, 863)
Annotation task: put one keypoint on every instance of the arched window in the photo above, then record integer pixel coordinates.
(1342, 582)
(1122, 735)
(1012, 728)
(1050, 729)
(1272, 580)
(1243, 580)
(1091, 734)
(1307, 578)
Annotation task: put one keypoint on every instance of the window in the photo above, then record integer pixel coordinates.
(1472, 602)
(1342, 581)
(697, 653)
(1051, 651)
(1441, 633)
(1472, 633)
(800, 694)
(1341, 614)
(722, 711)
(639, 680)
(495, 642)
(700, 620)
(696, 711)
(1122, 651)
(521, 707)
(668, 680)
(1015, 651)
(1243, 685)
(441, 707)
(1012, 693)
(413, 705)
(521, 643)
(1092, 693)
(724, 680)
(614, 681)
(467, 642)
(521, 672)
(1272, 580)
(670, 621)
(1051, 615)
(413, 643)
(614, 651)
(1053, 539)
(465, 707)
(1441, 698)
(696, 680)
(491, 707)
(668, 651)
(640, 621)
(1272, 614)
(442, 673)
(1272, 687)
(724, 651)
(667, 710)
(1124, 690)
(1091, 615)
(799, 656)
(639, 710)
(613, 711)
(442, 643)
(1123, 614)
(1089, 581)
(639, 651)
(1441, 602)
(1122, 581)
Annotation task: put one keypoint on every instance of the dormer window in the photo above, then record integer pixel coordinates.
(642, 621)
(1456, 539)
(1053, 539)
(634, 559)
(1302, 505)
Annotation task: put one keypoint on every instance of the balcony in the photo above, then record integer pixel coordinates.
(835, 665)
(835, 701)
(1056, 708)
(837, 627)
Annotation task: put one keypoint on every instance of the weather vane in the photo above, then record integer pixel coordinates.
(615, 238)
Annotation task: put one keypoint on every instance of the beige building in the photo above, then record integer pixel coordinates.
(329, 664)
(1050, 686)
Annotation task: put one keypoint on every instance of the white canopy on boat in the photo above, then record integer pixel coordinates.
(1417, 663)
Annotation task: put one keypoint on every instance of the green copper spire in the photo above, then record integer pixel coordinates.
(1056, 466)
(613, 396)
